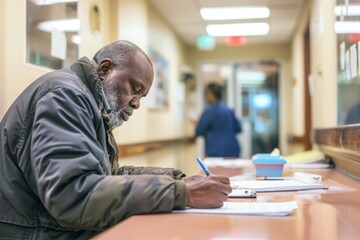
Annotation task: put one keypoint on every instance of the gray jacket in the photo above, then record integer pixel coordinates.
(58, 164)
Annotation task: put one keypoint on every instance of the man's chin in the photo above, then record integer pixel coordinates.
(115, 124)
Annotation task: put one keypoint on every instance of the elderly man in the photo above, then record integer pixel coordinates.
(59, 174)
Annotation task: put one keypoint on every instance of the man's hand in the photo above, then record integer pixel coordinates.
(206, 192)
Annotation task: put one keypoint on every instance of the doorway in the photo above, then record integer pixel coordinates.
(251, 89)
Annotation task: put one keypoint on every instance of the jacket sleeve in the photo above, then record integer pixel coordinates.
(131, 170)
(237, 123)
(204, 123)
(69, 168)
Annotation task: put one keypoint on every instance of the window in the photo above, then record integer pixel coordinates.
(52, 32)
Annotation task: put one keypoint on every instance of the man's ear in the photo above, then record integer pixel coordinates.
(104, 67)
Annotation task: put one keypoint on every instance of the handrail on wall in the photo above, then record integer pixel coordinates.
(342, 145)
(126, 150)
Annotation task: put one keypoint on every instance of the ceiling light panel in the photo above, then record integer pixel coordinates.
(350, 10)
(63, 25)
(347, 27)
(234, 13)
(238, 29)
(50, 2)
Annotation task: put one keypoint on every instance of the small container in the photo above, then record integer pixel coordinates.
(268, 165)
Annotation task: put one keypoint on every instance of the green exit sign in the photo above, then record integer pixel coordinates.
(206, 42)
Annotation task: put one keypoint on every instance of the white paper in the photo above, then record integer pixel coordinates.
(342, 55)
(308, 165)
(275, 185)
(58, 44)
(353, 60)
(248, 208)
(221, 162)
(358, 60)
(348, 65)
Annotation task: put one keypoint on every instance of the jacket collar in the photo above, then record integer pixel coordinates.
(88, 74)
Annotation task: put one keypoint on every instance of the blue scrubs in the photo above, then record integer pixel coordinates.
(219, 126)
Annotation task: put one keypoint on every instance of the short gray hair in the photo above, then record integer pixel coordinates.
(120, 52)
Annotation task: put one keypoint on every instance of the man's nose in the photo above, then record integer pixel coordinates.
(135, 102)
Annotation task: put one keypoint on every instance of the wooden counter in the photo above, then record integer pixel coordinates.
(330, 215)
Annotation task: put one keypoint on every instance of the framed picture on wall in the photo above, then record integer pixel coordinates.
(158, 96)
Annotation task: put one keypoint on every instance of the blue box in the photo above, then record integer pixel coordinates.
(268, 165)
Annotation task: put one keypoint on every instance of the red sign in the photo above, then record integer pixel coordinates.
(236, 41)
(354, 37)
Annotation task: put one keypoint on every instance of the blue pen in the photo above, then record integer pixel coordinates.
(202, 165)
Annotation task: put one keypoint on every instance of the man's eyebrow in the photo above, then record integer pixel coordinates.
(136, 84)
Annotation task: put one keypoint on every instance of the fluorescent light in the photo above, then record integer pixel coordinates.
(237, 29)
(50, 2)
(351, 10)
(251, 77)
(231, 13)
(262, 100)
(346, 27)
(64, 25)
(76, 39)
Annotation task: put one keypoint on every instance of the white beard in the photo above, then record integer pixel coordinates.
(114, 115)
(114, 120)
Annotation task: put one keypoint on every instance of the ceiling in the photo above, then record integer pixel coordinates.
(184, 17)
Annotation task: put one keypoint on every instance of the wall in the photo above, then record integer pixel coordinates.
(319, 15)
(17, 74)
(137, 21)
(323, 63)
(119, 19)
(279, 53)
(140, 23)
(93, 41)
(2, 58)
(296, 125)
(152, 32)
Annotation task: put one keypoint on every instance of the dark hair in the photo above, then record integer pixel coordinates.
(120, 52)
(215, 89)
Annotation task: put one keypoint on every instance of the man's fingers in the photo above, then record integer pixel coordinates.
(222, 179)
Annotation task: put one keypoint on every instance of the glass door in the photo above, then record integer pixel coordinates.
(256, 103)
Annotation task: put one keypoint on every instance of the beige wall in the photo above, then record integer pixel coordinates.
(319, 15)
(152, 32)
(17, 74)
(2, 58)
(93, 41)
(323, 63)
(120, 19)
(296, 125)
(139, 23)
(133, 26)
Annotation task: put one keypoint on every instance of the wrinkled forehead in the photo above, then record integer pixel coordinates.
(146, 69)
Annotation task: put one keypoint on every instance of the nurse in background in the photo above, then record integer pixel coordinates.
(218, 125)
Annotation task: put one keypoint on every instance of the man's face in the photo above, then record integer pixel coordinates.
(125, 87)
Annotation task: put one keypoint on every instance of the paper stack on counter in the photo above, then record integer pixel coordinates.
(307, 159)
(248, 208)
(274, 186)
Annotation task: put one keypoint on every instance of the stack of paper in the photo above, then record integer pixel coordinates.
(310, 156)
(273, 186)
(307, 159)
(223, 162)
(249, 208)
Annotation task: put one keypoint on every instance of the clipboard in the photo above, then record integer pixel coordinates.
(242, 193)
